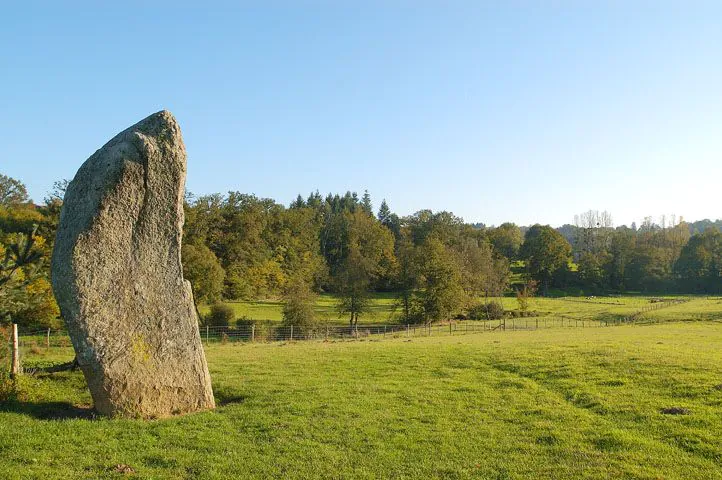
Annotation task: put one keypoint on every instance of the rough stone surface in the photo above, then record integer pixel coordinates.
(118, 279)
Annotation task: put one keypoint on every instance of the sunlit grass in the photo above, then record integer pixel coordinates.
(383, 308)
(558, 403)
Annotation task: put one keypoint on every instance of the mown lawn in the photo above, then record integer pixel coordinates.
(557, 403)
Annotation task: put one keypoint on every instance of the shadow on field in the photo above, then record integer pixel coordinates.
(224, 398)
(49, 410)
(68, 411)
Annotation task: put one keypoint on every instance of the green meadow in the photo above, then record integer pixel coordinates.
(631, 401)
(383, 308)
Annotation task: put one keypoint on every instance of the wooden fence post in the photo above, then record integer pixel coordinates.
(47, 339)
(253, 332)
(450, 332)
(206, 333)
(15, 365)
(291, 332)
(407, 330)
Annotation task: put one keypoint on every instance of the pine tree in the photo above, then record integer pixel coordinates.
(366, 203)
(384, 212)
(298, 203)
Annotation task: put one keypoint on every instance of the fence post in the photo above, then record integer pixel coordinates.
(450, 332)
(384, 331)
(407, 330)
(291, 332)
(15, 365)
(47, 339)
(253, 332)
(206, 333)
(326, 332)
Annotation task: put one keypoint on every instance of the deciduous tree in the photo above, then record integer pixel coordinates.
(546, 252)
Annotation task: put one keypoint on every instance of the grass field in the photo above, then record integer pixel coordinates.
(383, 309)
(557, 403)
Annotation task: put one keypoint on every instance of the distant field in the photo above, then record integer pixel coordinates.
(383, 309)
(641, 402)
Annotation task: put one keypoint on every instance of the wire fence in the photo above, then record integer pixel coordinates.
(266, 331)
(263, 332)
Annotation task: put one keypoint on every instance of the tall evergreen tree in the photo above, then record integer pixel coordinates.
(366, 204)
(384, 212)
(298, 202)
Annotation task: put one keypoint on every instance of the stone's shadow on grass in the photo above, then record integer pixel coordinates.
(50, 410)
(224, 398)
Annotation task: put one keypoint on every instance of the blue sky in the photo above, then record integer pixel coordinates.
(508, 111)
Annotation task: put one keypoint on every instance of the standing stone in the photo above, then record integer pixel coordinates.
(118, 279)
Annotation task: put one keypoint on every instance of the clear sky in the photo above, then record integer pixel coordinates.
(498, 111)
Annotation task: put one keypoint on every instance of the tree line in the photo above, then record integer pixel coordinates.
(240, 247)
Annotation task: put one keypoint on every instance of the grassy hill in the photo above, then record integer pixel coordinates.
(621, 402)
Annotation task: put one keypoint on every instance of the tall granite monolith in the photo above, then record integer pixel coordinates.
(118, 279)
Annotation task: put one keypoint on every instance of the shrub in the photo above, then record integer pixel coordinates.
(476, 312)
(525, 293)
(486, 311)
(221, 315)
(298, 306)
(8, 388)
